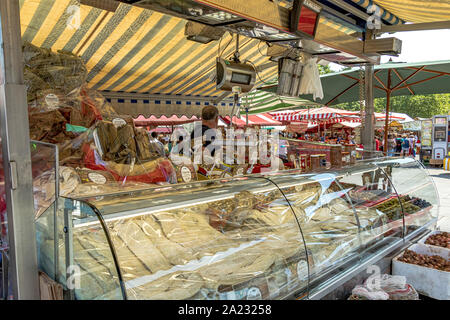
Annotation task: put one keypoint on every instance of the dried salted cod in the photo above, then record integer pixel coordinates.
(141, 246)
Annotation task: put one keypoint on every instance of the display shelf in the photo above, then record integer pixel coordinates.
(274, 236)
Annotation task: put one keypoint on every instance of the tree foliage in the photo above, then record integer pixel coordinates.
(424, 106)
(324, 69)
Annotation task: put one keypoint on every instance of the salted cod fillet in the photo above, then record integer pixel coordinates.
(172, 251)
(177, 286)
(141, 246)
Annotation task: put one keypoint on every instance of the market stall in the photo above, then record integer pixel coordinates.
(285, 235)
(138, 225)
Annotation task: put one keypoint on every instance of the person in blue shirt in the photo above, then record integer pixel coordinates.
(405, 146)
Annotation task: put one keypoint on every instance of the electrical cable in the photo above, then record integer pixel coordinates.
(231, 40)
(259, 49)
(257, 73)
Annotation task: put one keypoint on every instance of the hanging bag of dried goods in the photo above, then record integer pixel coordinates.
(143, 145)
(88, 109)
(127, 144)
(49, 126)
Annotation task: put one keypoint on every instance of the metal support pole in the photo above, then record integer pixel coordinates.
(5, 284)
(68, 244)
(386, 123)
(17, 157)
(246, 117)
(368, 135)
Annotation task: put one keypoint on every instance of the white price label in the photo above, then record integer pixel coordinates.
(186, 174)
(52, 101)
(119, 122)
(97, 178)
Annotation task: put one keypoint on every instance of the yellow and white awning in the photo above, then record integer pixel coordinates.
(133, 49)
(418, 11)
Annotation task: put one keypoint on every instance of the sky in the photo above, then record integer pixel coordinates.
(418, 46)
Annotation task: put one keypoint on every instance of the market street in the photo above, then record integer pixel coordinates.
(441, 179)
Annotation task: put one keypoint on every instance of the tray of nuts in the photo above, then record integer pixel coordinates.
(435, 261)
(437, 239)
(427, 269)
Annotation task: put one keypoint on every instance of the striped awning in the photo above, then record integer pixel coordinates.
(134, 50)
(417, 11)
(258, 101)
(382, 116)
(264, 119)
(236, 121)
(335, 120)
(313, 114)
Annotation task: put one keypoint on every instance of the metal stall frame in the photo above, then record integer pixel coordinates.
(17, 157)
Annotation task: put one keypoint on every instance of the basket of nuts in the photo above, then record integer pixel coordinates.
(427, 270)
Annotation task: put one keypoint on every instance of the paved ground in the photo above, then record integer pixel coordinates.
(442, 181)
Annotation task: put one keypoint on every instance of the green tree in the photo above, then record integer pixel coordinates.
(324, 69)
(424, 106)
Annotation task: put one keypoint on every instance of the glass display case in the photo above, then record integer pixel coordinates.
(276, 236)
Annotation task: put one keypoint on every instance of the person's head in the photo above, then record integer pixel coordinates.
(154, 134)
(210, 116)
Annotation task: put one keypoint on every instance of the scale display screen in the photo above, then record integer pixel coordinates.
(440, 121)
(440, 134)
(241, 78)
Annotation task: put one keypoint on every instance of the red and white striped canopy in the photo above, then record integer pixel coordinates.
(313, 114)
(329, 115)
(382, 116)
(263, 119)
(336, 120)
(236, 121)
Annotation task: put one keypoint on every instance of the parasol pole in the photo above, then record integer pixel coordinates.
(246, 117)
(388, 102)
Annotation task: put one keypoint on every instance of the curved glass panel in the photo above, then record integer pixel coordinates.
(416, 191)
(85, 261)
(327, 220)
(342, 217)
(227, 239)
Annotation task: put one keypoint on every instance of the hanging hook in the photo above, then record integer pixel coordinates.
(236, 53)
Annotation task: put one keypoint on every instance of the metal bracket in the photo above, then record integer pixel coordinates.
(13, 172)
